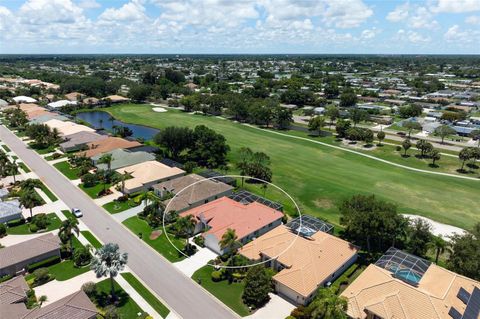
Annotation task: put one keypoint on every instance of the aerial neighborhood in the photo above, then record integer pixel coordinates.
(260, 187)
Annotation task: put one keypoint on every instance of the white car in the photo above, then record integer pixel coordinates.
(77, 212)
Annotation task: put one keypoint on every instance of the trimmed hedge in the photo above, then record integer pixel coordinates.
(5, 278)
(44, 263)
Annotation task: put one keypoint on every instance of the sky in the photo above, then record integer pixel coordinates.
(240, 26)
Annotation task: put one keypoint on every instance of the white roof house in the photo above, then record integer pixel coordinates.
(24, 99)
(61, 103)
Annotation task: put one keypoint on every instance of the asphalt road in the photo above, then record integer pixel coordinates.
(186, 297)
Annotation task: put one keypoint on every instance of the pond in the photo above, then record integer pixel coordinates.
(101, 119)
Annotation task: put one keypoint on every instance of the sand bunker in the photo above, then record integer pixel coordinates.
(159, 109)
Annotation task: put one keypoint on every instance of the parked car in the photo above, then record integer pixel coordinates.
(77, 212)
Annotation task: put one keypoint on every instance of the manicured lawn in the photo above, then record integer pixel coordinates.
(6, 148)
(117, 207)
(48, 192)
(161, 244)
(229, 294)
(320, 177)
(42, 151)
(68, 214)
(67, 170)
(66, 270)
(51, 157)
(24, 167)
(94, 190)
(126, 307)
(91, 239)
(24, 229)
(146, 294)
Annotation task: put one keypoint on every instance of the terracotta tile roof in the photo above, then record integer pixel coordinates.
(107, 145)
(25, 250)
(225, 213)
(308, 261)
(148, 172)
(116, 98)
(377, 291)
(200, 189)
(13, 290)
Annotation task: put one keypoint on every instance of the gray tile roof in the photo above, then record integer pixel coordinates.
(12, 255)
(81, 138)
(13, 290)
(9, 208)
(123, 157)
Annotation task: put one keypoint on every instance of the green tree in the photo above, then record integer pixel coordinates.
(316, 123)
(245, 158)
(435, 156)
(440, 246)
(258, 284)
(406, 144)
(13, 169)
(175, 139)
(465, 256)
(68, 229)
(209, 149)
(229, 242)
(372, 223)
(464, 155)
(108, 261)
(419, 237)
(348, 98)
(424, 147)
(333, 114)
(184, 226)
(380, 137)
(328, 305)
(412, 125)
(29, 199)
(282, 117)
(443, 131)
(106, 158)
(358, 115)
(342, 127)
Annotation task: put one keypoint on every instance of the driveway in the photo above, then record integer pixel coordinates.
(189, 265)
(182, 294)
(277, 307)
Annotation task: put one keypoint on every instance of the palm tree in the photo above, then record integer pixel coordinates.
(328, 305)
(67, 230)
(440, 245)
(108, 262)
(229, 241)
(122, 178)
(13, 170)
(245, 156)
(106, 159)
(42, 299)
(29, 199)
(185, 225)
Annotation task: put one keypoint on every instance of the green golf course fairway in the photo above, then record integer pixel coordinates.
(319, 177)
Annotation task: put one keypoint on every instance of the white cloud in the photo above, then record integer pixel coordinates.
(422, 18)
(38, 12)
(347, 13)
(475, 20)
(399, 13)
(412, 36)
(89, 4)
(131, 11)
(456, 6)
(455, 34)
(368, 34)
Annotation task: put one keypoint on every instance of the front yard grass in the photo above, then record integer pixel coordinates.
(94, 190)
(40, 150)
(24, 167)
(24, 229)
(48, 192)
(126, 306)
(228, 293)
(66, 270)
(160, 244)
(115, 207)
(91, 239)
(146, 294)
(66, 169)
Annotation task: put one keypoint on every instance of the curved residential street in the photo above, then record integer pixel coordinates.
(181, 294)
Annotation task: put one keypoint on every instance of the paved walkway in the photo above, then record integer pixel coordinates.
(58, 160)
(109, 198)
(126, 214)
(365, 155)
(189, 265)
(277, 307)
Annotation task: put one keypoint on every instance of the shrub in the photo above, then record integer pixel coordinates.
(189, 166)
(56, 155)
(41, 275)
(190, 249)
(89, 180)
(5, 278)
(217, 276)
(199, 240)
(90, 289)
(3, 230)
(39, 220)
(44, 263)
(111, 313)
(398, 148)
(33, 228)
(81, 256)
(16, 222)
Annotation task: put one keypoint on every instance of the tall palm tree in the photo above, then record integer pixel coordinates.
(106, 159)
(229, 241)
(327, 305)
(185, 225)
(108, 261)
(67, 230)
(440, 245)
(13, 170)
(29, 199)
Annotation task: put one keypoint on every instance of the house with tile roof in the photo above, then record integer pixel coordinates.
(404, 286)
(106, 145)
(190, 191)
(13, 291)
(146, 174)
(80, 140)
(14, 259)
(248, 220)
(304, 263)
(67, 128)
(123, 157)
